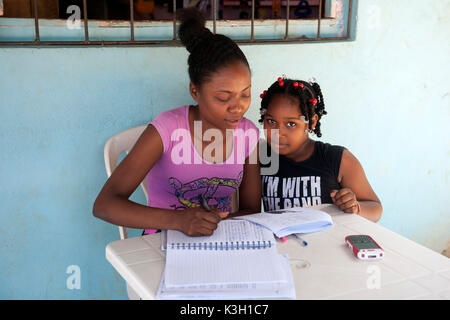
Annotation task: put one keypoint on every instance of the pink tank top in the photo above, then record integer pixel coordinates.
(181, 174)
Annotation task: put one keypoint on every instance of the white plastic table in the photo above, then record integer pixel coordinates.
(324, 269)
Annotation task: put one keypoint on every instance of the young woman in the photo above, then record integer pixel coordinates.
(171, 151)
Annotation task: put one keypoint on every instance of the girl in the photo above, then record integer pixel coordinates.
(310, 172)
(187, 192)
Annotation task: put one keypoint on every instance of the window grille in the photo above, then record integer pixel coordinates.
(343, 34)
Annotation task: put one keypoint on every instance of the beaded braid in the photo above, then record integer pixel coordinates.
(304, 92)
(208, 52)
(320, 107)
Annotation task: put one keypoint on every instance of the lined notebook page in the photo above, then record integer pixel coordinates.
(227, 231)
(197, 267)
(279, 290)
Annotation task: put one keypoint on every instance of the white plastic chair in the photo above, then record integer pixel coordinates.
(116, 145)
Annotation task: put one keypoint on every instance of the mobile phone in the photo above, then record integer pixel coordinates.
(364, 247)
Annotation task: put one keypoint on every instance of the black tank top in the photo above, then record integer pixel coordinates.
(304, 183)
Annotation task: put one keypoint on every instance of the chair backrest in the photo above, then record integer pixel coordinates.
(117, 144)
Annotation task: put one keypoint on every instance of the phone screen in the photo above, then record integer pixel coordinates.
(363, 242)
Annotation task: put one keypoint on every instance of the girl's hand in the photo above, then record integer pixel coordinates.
(197, 221)
(345, 199)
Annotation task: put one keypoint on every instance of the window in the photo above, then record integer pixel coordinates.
(151, 22)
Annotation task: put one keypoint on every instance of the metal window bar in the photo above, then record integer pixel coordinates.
(174, 20)
(252, 27)
(286, 36)
(36, 21)
(132, 21)
(214, 15)
(174, 41)
(320, 16)
(85, 20)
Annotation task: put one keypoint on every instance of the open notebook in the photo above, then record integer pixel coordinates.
(238, 253)
(291, 220)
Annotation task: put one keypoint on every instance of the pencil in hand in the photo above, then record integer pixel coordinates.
(204, 203)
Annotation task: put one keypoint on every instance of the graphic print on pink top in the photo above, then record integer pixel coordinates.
(181, 174)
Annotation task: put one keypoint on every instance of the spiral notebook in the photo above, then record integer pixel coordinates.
(277, 290)
(239, 252)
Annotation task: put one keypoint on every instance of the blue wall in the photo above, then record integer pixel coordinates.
(386, 94)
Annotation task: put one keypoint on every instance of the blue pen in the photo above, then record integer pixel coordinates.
(301, 239)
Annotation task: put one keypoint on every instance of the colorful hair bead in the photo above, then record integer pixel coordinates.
(262, 95)
(280, 81)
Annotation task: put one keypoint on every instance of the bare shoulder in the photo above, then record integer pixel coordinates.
(135, 166)
(348, 156)
(147, 150)
(349, 163)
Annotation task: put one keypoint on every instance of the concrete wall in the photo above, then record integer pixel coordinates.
(386, 94)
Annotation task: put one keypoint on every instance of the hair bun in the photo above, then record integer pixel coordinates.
(192, 29)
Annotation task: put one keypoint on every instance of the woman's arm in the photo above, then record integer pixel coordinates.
(250, 188)
(356, 189)
(112, 204)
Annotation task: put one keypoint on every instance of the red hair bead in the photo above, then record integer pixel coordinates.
(280, 79)
(313, 101)
(301, 85)
(295, 84)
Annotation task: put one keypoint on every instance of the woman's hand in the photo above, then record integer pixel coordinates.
(197, 221)
(345, 199)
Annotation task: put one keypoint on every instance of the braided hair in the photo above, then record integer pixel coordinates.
(208, 52)
(303, 94)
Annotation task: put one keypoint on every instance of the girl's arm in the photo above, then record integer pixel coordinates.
(355, 189)
(112, 204)
(250, 188)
